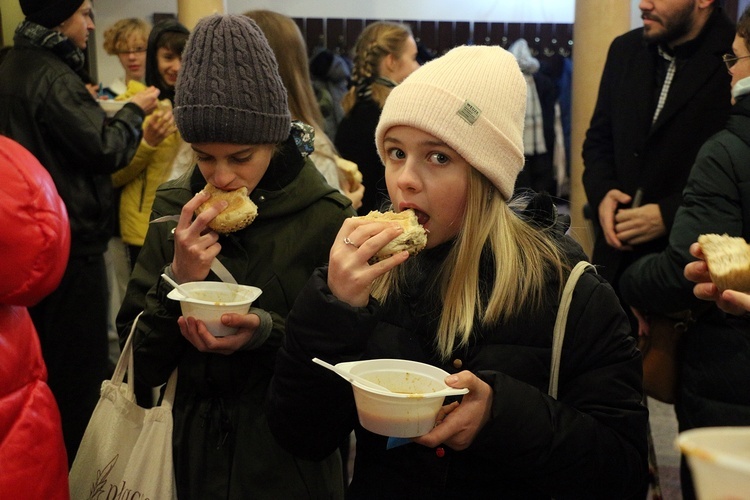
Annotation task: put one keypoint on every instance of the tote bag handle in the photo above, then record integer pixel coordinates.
(120, 370)
(558, 334)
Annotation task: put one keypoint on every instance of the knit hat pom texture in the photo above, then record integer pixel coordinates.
(474, 99)
(229, 89)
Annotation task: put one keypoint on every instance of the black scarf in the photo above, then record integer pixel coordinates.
(59, 44)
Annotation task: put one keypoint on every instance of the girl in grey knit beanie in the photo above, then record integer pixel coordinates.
(231, 106)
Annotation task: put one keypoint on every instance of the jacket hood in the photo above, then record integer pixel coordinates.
(152, 65)
(35, 240)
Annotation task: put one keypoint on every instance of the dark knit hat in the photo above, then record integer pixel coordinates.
(229, 88)
(49, 13)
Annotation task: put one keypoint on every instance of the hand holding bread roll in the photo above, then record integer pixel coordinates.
(240, 212)
(413, 239)
(728, 260)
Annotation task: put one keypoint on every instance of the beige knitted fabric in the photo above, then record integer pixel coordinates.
(474, 99)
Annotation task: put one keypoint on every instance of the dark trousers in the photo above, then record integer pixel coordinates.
(72, 327)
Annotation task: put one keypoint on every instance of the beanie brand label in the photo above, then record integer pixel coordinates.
(469, 112)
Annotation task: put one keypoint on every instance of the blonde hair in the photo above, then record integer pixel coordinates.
(117, 36)
(522, 257)
(376, 41)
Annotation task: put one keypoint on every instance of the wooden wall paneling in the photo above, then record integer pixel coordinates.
(547, 32)
(498, 33)
(315, 35)
(335, 35)
(566, 40)
(300, 21)
(463, 33)
(482, 33)
(513, 32)
(428, 35)
(414, 25)
(353, 29)
(446, 37)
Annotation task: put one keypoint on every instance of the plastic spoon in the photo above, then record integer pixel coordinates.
(177, 286)
(351, 377)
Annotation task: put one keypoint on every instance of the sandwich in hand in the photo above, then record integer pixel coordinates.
(728, 260)
(240, 212)
(413, 239)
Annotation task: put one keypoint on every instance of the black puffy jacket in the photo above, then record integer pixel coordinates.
(589, 443)
(715, 364)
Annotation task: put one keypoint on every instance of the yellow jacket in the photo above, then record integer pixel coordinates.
(150, 167)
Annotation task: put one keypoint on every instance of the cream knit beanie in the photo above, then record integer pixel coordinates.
(474, 99)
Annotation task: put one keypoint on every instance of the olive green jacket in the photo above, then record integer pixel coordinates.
(222, 445)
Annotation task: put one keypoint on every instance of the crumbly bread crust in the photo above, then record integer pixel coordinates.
(413, 239)
(728, 260)
(240, 212)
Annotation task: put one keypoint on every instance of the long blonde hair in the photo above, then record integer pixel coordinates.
(523, 255)
(376, 41)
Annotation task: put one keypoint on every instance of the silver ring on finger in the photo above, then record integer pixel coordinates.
(350, 242)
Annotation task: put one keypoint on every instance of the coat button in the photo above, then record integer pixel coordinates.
(440, 452)
(457, 364)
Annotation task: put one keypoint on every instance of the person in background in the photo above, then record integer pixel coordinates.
(538, 172)
(161, 155)
(730, 301)
(158, 154)
(35, 243)
(451, 139)
(714, 362)
(330, 74)
(47, 108)
(664, 91)
(290, 51)
(127, 39)
(385, 54)
(231, 106)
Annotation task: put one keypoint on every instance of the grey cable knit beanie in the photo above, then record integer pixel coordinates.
(229, 88)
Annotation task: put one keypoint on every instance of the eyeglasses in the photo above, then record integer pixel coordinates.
(730, 59)
(137, 50)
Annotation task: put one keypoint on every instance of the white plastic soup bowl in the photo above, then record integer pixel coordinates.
(209, 300)
(411, 409)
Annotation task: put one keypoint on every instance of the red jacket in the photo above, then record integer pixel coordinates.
(34, 244)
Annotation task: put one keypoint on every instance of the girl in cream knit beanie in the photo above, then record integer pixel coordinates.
(474, 99)
(479, 302)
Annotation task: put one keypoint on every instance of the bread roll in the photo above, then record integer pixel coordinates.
(350, 171)
(728, 260)
(240, 212)
(413, 239)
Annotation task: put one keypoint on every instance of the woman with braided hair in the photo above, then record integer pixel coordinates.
(384, 55)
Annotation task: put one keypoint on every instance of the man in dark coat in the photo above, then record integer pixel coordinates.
(664, 91)
(715, 349)
(46, 107)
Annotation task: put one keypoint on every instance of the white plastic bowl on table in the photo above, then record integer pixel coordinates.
(209, 300)
(719, 460)
(110, 106)
(411, 408)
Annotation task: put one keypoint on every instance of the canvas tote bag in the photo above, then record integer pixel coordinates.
(126, 451)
